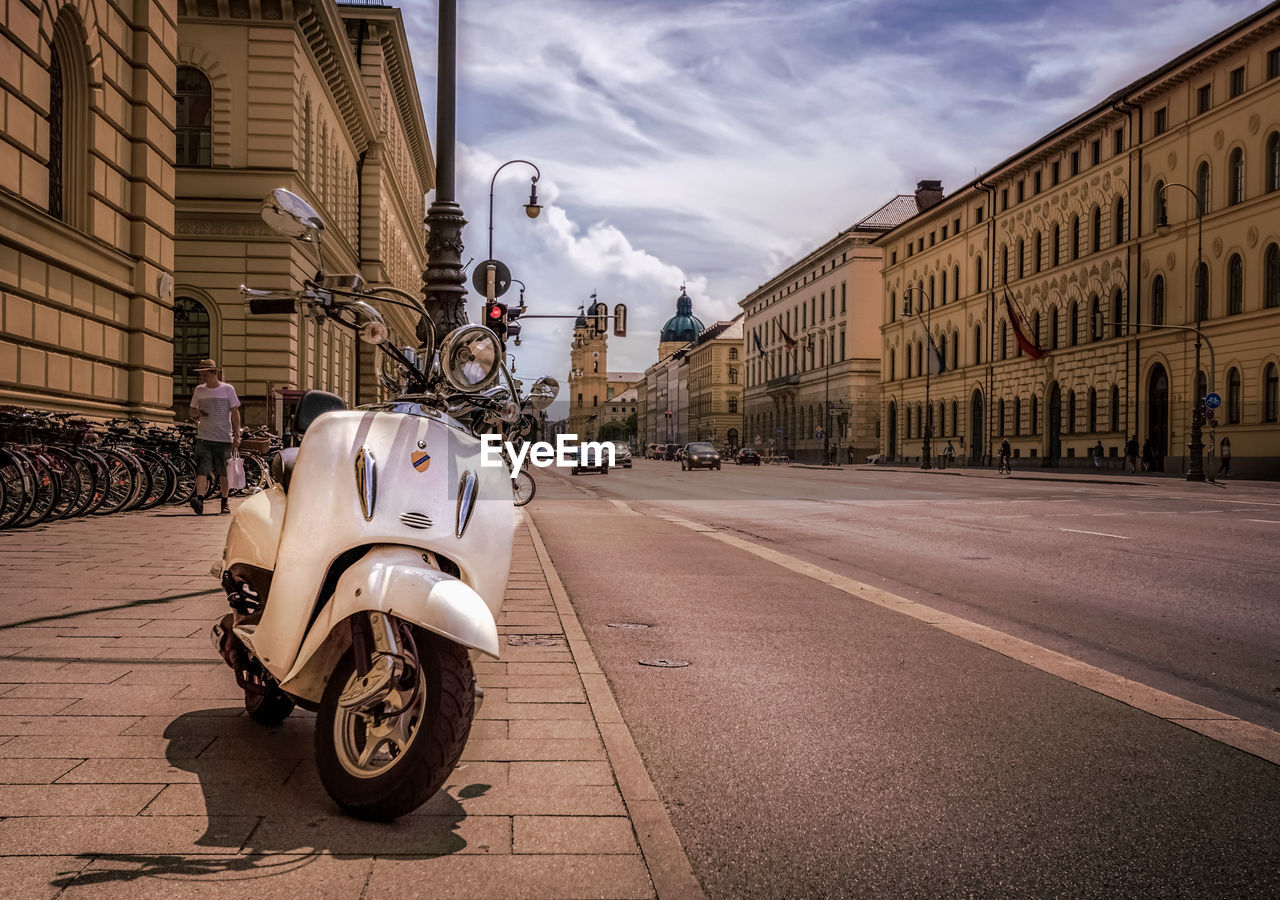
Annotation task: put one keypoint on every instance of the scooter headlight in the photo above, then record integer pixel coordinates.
(470, 357)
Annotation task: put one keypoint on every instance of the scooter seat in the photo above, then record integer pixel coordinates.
(282, 466)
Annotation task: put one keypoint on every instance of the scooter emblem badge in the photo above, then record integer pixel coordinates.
(421, 460)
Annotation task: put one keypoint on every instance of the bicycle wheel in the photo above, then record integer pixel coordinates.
(184, 484)
(47, 486)
(18, 477)
(523, 487)
(99, 472)
(255, 475)
(141, 478)
(70, 482)
(160, 476)
(119, 486)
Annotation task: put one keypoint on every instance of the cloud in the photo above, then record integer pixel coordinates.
(711, 144)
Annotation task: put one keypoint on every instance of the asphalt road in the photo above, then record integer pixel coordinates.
(821, 746)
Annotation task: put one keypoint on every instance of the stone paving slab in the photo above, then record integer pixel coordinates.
(128, 766)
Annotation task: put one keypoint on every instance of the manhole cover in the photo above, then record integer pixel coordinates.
(537, 640)
(665, 663)
(628, 625)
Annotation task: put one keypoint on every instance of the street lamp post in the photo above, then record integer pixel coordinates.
(926, 459)
(531, 209)
(1195, 471)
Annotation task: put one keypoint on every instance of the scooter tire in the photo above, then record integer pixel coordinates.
(433, 751)
(269, 707)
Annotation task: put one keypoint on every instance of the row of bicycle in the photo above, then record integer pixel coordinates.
(55, 465)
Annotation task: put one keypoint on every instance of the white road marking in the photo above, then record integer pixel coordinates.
(1214, 724)
(1264, 521)
(1018, 516)
(1098, 533)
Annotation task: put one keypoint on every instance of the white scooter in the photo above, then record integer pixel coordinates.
(367, 577)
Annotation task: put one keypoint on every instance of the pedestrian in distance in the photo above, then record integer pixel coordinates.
(216, 409)
(1131, 454)
(1224, 455)
(1006, 454)
(948, 456)
(1148, 455)
(1097, 455)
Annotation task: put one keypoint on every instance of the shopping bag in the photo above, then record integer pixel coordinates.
(235, 473)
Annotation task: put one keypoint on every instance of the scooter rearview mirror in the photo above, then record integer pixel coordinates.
(288, 214)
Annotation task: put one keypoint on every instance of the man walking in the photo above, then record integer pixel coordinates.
(1131, 453)
(216, 409)
(1005, 455)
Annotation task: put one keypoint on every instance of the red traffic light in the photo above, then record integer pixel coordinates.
(497, 312)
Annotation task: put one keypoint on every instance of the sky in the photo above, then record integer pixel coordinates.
(711, 144)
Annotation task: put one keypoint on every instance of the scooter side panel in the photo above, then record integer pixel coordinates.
(418, 463)
(253, 537)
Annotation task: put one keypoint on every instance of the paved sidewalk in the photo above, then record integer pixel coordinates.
(128, 767)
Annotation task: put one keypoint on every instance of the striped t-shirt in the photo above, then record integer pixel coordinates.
(218, 403)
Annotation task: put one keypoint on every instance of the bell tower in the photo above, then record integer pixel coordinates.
(588, 377)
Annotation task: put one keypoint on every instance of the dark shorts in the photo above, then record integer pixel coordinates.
(212, 456)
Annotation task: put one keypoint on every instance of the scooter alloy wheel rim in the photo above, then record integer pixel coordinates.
(367, 746)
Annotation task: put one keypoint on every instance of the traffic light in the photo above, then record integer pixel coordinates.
(495, 317)
(513, 327)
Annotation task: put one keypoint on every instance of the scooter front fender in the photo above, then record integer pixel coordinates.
(397, 581)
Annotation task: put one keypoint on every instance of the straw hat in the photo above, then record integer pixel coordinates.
(206, 365)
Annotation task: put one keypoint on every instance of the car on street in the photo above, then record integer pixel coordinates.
(748, 456)
(654, 451)
(669, 451)
(621, 454)
(699, 455)
(591, 459)
(679, 453)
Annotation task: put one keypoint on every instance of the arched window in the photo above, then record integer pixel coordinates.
(1159, 204)
(1022, 258)
(910, 360)
(977, 273)
(1035, 414)
(943, 294)
(194, 125)
(1071, 412)
(933, 292)
(1271, 175)
(1203, 184)
(1017, 416)
(595, 366)
(893, 306)
(307, 141)
(190, 343)
(1115, 407)
(893, 362)
(1117, 313)
(955, 417)
(1074, 325)
(1233, 397)
(1271, 277)
(733, 404)
(1004, 263)
(1093, 410)
(1053, 329)
(1075, 237)
(1000, 416)
(1037, 247)
(1095, 310)
(733, 375)
(942, 348)
(955, 350)
(942, 417)
(1117, 228)
(733, 352)
(1035, 328)
(1057, 242)
(1004, 338)
(68, 121)
(955, 282)
(1235, 285)
(920, 357)
(977, 344)
(1202, 291)
(1270, 393)
(1235, 177)
(1157, 301)
(57, 114)
(1095, 235)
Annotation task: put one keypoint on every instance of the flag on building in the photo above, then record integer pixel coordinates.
(1029, 346)
(756, 336)
(787, 339)
(937, 364)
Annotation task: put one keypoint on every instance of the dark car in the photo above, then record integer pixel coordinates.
(700, 455)
(748, 456)
(670, 451)
(591, 458)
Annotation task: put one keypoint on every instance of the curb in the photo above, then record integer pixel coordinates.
(664, 856)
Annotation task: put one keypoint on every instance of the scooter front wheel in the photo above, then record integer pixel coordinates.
(380, 767)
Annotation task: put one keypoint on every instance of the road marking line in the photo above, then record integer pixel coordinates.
(1098, 533)
(1264, 521)
(1018, 516)
(1213, 724)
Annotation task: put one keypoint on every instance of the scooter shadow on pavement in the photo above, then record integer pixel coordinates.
(264, 810)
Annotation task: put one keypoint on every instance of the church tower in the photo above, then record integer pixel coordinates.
(681, 328)
(588, 377)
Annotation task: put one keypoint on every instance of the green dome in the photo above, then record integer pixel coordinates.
(684, 326)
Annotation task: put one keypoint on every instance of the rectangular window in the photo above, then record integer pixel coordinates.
(1022, 190)
(1204, 98)
(1055, 173)
(1035, 183)
(842, 296)
(955, 229)
(1004, 199)
(1075, 162)
(1160, 122)
(1237, 82)
(932, 238)
(1095, 152)
(893, 258)
(1118, 138)
(1273, 63)
(977, 214)
(911, 249)
(920, 244)
(944, 232)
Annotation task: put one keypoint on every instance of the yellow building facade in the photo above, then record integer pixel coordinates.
(1062, 241)
(715, 373)
(86, 205)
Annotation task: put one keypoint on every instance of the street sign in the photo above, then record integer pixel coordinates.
(1209, 414)
(1213, 401)
(501, 278)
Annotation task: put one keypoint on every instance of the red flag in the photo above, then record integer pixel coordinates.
(1028, 346)
(787, 339)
